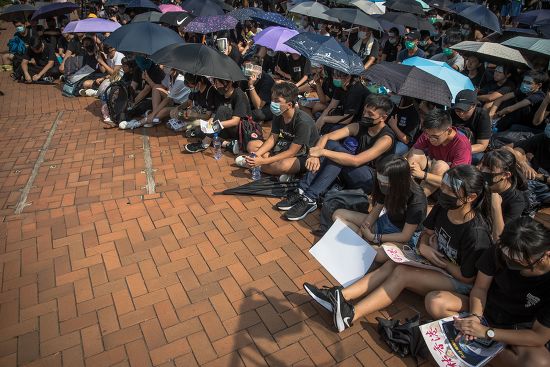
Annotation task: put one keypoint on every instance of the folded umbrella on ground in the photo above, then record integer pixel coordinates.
(266, 186)
(142, 37)
(539, 46)
(91, 25)
(312, 9)
(274, 38)
(211, 24)
(54, 10)
(356, 17)
(17, 12)
(410, 81)
(492, 52)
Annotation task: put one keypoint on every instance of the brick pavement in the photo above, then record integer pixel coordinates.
(96, 272)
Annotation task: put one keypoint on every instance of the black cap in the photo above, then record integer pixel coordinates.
(465, 99)
(414, 35)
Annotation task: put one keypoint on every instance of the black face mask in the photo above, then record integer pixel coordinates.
(447, 202)
(384, 189)
(89, 48)
(489, 178)
(367, 122)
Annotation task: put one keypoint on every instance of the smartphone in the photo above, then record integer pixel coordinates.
(222, 45)
(216, 126)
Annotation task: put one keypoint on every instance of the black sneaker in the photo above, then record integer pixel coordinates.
(288, 202)
(342, 311)
(195, 147)
(321, 296)
(301, 209)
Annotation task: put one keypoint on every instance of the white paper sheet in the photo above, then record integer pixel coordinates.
(345, 254)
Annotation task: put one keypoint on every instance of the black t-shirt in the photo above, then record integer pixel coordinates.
(298, 68)
(525, 115)
(476, 80)
(132, 76)
(390, 51)
(513, 298)
(513, 204)
(431, 49)
(263, 88)
(352, 99)
(238, 102)
(539, 147)
(363, 51)
(235, 54)
(408, 121)
(462, 244)
(479, 124)
(209, 99)
(414, 211)
(75, 46)
(492, 86)
(41, 58)
(366, 141)
(300, 130)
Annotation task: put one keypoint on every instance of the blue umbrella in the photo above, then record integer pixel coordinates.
(17, 12)
(481, 15)
(211, 24)
(455, 80)
(142, 37)
(534, 17)
(54, 10)
(202, 8)
(142, 4)
(242, 14)
(274, 19)
(327, 51)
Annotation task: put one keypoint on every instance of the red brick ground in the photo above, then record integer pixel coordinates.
(96, 272)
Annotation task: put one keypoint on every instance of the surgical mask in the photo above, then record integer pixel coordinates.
(410, 45)
(525, 88)
(547, 131)
(423, 43)
(393, 40)
(465, 31)
(337, 83)
(447, 51)
(367, 122)
(362, 35)
(20, 29)
(270, 53)
(447, 202)
(490, 178)
(275, 108)
(433, 20)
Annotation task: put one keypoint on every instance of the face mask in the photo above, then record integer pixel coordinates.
(367, 122)
(20, 29)
(433, 20)
(393, 40)
(89, 48)
(447, 52)
(525, 88)
(275, 108)
(270, 53)
(547, 131)
(447, 202)
(489, 178)
(410, 45)
(362, 35)
(337, 83)
(465, 32)
(423, 43)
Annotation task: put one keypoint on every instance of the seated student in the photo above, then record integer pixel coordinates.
(427, 45)
(405, 123)
(509, 302)
(110, 63)
(472, 121)
(501, 84)
(525, 101)
(258, 88)
(17, 46)
(541, 116)
(392, 46)
(298, 70)
(51, 34)
(91, 56)
(448, 55)
(439, 148)
(152, 75)
(39, 62)
(475, 70)
(455, 234)
(533, 156)
(329, 159)
(228, 47)
(367, 46)
(507, 185)
(346, 104)
(131, 74)
(74, 46)
(400, 195)
(292, 133)
(233, 107)
(321, 85)
(411, 47)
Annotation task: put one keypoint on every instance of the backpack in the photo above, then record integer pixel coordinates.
(403, 339)
(17, 46)
(248, 130)
(116, 97)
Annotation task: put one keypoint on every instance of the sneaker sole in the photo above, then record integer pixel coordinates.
(338, 321)
(193, 151)
(322, 302)
(285, 208)
(310, 210)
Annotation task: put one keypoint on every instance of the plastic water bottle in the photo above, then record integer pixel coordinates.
(217, 145)
(256, 171)
(104, 107)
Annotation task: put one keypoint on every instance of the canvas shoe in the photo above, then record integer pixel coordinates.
(301, 209)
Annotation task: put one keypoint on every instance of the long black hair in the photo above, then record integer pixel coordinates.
(506, 161)
(525, 239)
(401, 184)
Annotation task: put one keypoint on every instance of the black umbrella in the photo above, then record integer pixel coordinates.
(142, 5)
(458, 7)
(356, 17)
(142, 37)
(198, 59)
(150, 16)
(481, 15)
(534, 17)
(508, 33)
(406, 6)
(117, 2)
(408, 20)
(54, 10)
(176, 18)
(442, 5)
(410, 81)
(202, 8)
(267, 186)
(17, 12)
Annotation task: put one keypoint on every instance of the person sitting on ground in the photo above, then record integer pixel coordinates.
(363, 143)
(91, 57)
(439, 148)
(367, 47)
(404, 202)
(525, 101)
(456, 232)
(475, 70)
(405, 123)
(293, 132)
(320, 85)
(17, 46)
(39, 62)
(448, 55)
(472, 121)
(258, 88)
(110, 63)
(427, 45)
(509, 302)
(411, 47)
(298, 71)
(74, 47)
(131, 75)
(233, 107)
(392, 46)
(346, 104)
(500, 85)
(508, 188)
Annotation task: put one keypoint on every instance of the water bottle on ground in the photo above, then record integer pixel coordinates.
(256, 171)
(217, 145)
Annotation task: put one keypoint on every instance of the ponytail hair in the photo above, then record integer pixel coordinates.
(506, 161)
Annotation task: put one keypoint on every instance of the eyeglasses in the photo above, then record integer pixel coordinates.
(436, 136)
(529, 265)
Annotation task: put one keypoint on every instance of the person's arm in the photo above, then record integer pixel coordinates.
(455, 271)
(523, 162)
(489, 97)
(233, 121)
(480, 145)
(541, 113)
(516, 106)
(400, 237)
(68, 54)
(401, 136)
(142, 94)
(291, 152)
(499, 101)
(370, 62)
(301, 82)
(267, 145)
(25, 68)
(430, 178)
(496, 215)
(44, 70)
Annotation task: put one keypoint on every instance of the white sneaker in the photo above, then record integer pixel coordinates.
(91, 92)
(286, 178)
(132, 124)
(107, 120)
(241, 161)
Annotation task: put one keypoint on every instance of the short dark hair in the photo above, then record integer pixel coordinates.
(424, 33)
(194, 79)
(287, 90)
(379, 102)
(254, 59)
(437, 119)
(538, 77)
(525, 238)
(35, 43)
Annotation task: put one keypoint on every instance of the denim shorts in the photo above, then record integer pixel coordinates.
(385, 226)
(461, 288)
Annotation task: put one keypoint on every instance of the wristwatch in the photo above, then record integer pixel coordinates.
(490, 333)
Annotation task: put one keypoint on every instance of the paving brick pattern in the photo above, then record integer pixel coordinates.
(95, 272)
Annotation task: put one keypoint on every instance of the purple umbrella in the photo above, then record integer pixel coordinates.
(54, 10)
(91, 25)
(211, 24)
(275, 37)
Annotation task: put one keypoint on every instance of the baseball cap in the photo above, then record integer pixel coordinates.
(413, 35)
(465, 99)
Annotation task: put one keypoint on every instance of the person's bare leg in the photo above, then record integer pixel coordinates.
(350, 218)
(515, 356)
(369, 282)
(440, 304)
(437, 168)
(253, 145)
(288, 166)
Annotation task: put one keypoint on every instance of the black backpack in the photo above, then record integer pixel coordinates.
(248, 130)
(117, 101)
(403, 339)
